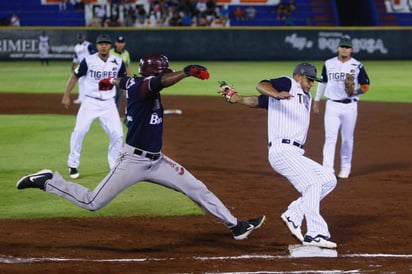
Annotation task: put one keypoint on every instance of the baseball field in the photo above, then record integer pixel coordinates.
(150, 229)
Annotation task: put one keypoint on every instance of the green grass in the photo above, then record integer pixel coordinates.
(389, 80)
(33, 142)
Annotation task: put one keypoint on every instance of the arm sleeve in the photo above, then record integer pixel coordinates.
(363, 78)
(322, 85)
(155, 84)
(319, 91)
(75, 58)
(263, 101)
(81, 70)
(123, 82)
(147, 85)
(91, 49)
(280, 84)
(122, 70)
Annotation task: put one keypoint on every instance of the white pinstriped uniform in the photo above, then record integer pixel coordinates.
(289, 119)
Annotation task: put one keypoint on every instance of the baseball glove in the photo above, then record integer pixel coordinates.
(105, 84)
(226, 91)
(197, 71)
(349, 84)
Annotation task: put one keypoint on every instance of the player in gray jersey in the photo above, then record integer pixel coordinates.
(288, 102)
(142, 158)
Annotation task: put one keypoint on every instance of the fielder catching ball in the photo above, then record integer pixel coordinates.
(288, 102)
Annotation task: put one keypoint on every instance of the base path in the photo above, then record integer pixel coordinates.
(369, 214)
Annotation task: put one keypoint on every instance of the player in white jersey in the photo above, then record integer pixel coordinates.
(82, 49)
(341, 110)
(44, 49)
(97, 104)
(288, 102)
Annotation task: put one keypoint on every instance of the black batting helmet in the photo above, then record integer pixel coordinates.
(153, 65)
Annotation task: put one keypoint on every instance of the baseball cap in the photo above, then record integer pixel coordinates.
(308, 70)
(81, 36)
(345, 41)
(103, 38)
(120, 39)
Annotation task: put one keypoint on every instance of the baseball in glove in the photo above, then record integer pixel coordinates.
(349, 84)
(226, 91)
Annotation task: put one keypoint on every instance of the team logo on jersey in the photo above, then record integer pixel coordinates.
(304, 99)
(155, 119)
(130, 82)
(97, 75)
(337, 76)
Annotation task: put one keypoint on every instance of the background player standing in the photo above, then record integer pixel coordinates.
(142, 158)
(97, 104)
(341, 109)
(119, 50)
(44, 48)
(288, 102)
(82, 49)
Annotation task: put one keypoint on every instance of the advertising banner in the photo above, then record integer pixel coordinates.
(220, 44)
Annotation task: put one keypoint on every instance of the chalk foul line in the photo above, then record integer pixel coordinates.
(4, 259)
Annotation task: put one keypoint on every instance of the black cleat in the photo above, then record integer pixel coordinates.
(36, 180)
(73, 173)
(242, 230)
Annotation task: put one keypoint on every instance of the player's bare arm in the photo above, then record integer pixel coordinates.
(233, 97)
(249, 101)
(171, 78)
(161, 80)
(69, 87)
(267, 89)
(319, 93)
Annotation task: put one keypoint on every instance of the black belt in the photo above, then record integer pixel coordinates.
(100, 99)
(148, 155)
(345, 101)
(288, 141)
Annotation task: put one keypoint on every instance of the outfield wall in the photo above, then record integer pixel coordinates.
(284, 43)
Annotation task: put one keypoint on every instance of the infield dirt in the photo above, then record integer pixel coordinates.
(225, 146)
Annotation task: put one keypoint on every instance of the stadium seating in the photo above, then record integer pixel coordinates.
(314, 12)
(391, 19)
(309, 12)
(33, 13)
